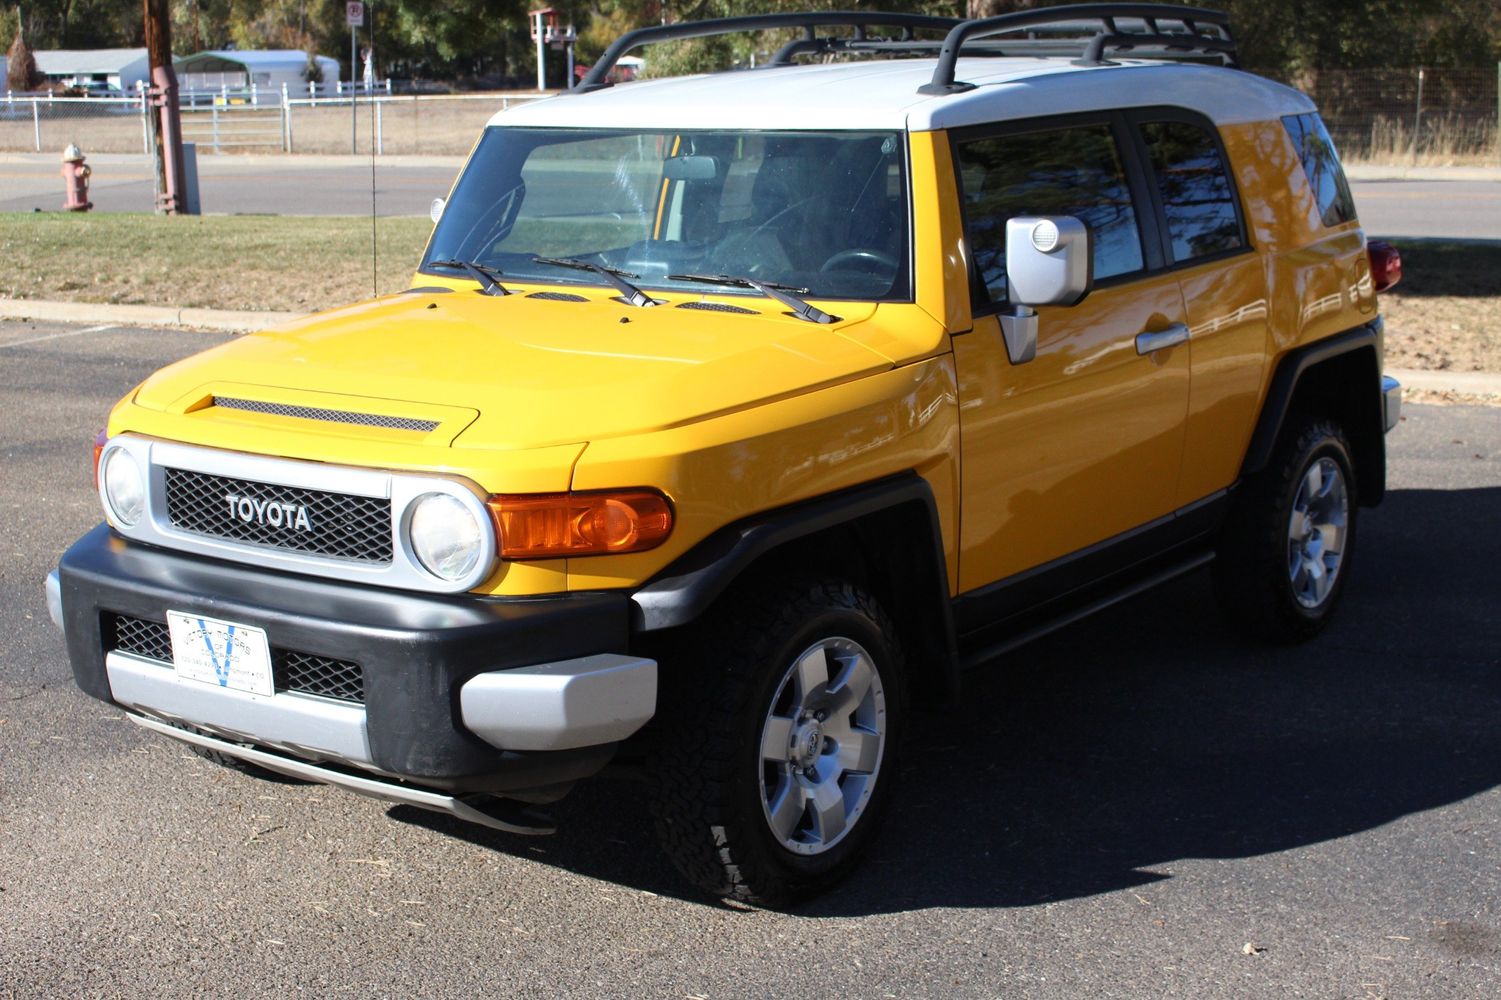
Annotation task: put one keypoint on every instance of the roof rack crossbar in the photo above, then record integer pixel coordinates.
(1191, 18)
(598, 76)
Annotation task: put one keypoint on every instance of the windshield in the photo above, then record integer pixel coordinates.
(821, 211)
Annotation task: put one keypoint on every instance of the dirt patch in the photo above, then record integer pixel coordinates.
(1445, 315)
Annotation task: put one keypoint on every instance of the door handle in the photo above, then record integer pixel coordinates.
(1156, 340)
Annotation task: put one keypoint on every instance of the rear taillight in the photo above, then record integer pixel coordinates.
(1386, 264)
(100, 440)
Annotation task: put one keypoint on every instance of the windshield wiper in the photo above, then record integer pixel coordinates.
(785, 294)
(614, 275)
(479, 272)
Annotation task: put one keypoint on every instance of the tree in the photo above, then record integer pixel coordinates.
(21, 73)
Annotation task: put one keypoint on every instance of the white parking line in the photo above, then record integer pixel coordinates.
(58, 336)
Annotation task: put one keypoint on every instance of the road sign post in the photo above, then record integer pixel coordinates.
(354, 15)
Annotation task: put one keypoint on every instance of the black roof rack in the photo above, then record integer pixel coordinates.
(1048, 31)
(597, 77)
(1201, 30)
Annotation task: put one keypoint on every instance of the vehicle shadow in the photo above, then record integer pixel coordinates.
(1094, 759)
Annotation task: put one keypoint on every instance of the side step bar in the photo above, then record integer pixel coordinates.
(469, 810)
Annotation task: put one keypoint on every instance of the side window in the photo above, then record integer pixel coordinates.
(1070, 171)
(1196, 195)
(1321, 164)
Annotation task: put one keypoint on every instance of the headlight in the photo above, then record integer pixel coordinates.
(124, 488)
(445, 536)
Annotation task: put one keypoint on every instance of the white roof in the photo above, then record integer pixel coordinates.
(252, 59)
(73, 62)
(882, 94)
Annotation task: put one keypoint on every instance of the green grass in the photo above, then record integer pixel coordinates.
(282, 263)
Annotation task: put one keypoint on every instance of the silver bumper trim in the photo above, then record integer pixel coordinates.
(299, 724)
(55, 598)
(373, 787)
(561, 706)
(1391, 401)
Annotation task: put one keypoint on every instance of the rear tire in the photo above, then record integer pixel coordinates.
(1285, 554)
(777, 741)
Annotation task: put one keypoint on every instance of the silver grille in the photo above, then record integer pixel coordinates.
(332, 416)
(341, 525)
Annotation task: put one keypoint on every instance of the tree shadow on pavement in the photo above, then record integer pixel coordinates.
(1094, 759)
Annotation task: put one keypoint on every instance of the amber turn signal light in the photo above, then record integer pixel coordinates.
(100, 440)
(548, 525)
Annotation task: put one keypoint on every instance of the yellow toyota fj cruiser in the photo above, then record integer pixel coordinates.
(727, 413)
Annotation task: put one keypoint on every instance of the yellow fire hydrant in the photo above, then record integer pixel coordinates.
(76, 180)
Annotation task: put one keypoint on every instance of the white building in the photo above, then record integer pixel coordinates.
(121, 69)
(236, 69)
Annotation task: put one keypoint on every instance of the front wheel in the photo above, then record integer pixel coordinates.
(777, 742)
(1285, 554)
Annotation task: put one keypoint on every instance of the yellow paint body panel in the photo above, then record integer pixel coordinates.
(734, 415)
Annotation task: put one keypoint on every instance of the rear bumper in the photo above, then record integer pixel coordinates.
(461, 694)
(1391, 401)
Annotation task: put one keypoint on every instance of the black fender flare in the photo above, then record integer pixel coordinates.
(1283, 389)
(684, 590)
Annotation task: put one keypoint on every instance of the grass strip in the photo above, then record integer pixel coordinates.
(282, 263)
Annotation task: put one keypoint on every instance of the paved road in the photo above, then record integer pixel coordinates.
(240, 185)
(312, 185)
(1119, 814)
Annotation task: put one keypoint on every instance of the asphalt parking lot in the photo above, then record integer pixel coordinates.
(1141, 806)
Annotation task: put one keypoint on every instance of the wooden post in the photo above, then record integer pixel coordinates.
(170, 183)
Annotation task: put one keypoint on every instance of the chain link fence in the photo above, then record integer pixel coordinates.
(1418, 116)
(257, 122)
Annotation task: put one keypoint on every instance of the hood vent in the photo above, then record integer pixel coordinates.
(719, 307)
(332, 416)
(558, 297)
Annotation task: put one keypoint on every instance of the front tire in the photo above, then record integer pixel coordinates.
(777, 743)
(1285, 555)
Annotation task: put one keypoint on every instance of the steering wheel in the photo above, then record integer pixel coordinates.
(861, 258)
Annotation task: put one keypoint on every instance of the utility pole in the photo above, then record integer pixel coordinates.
(165, 116)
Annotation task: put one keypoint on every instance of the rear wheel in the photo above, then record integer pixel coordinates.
(1286, 551)
(778, 741)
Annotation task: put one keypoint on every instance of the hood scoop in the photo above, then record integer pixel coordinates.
(327, 415)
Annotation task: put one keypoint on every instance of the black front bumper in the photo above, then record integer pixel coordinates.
(416, 649)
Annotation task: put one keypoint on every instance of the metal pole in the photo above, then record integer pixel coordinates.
(354, 123)
(1417, 118)
(36, 122)
(541, 56)
(380, 135)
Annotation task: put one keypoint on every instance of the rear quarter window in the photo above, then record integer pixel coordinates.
(1321, 164)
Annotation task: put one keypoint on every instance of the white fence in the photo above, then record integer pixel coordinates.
(327, 120)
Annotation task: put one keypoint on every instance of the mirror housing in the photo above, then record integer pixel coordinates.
(1049, 262)
(690, 168)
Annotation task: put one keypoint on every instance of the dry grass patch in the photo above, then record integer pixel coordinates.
(282, 263)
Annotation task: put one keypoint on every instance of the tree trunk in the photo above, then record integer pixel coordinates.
(170, 186)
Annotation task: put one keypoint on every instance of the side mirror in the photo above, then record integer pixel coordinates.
(435, 210)
(1049, 262)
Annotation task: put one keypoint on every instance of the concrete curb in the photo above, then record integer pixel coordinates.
(1380, 172)
(1468, 383)
(228, 320)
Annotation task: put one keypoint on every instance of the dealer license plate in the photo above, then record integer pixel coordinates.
(224, 654)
